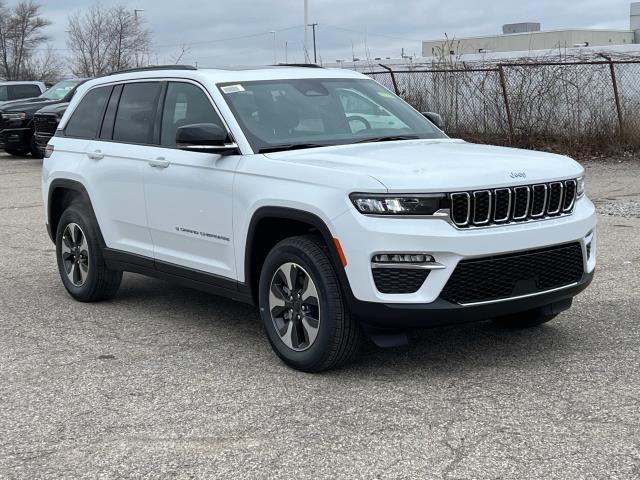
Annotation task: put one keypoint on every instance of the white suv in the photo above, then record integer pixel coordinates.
(315, 194)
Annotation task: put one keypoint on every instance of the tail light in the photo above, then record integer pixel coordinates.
(48, 151)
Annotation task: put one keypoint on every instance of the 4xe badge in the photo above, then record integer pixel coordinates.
(518, 175)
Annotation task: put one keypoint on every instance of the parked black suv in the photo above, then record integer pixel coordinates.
(16, 118)
(45, 123)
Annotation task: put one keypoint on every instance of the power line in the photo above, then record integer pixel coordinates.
(335, 27)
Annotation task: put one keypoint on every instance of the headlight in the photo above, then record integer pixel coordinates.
(580, 187)
(371, 204)
(14, 116)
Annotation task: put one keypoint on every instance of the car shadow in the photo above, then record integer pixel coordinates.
(430, 351)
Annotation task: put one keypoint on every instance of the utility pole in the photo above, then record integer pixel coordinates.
(306, 30)
(275, 53)
(315, 53)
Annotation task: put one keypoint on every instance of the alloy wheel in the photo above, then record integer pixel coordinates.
(294, 305)
(75, 254)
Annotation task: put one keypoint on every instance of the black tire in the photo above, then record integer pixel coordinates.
(100, 283)
(526, 319)
(16, 152)
(338, 336)
(34, 149)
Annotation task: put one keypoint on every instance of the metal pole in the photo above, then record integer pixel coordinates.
(306, 30)
(275, 54)
(393, 78)
(616, 95)
(315, 53)
(507, 107)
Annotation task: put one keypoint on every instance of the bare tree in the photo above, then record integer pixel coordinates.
(105, 40)
(46, 66)
(21, 33)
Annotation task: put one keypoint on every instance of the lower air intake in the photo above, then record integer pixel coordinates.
(523, 273)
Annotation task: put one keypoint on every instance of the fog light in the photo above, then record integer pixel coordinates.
(414, 258)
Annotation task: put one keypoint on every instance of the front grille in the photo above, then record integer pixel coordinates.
(512, 204)
(45, 124)
(3, 123)
(399, 280)
(523, 273)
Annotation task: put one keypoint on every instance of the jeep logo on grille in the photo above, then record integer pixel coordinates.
(518, 175)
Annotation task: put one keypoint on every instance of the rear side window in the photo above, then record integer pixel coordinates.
(86, 118)
(136, 112)
(23, 91)
(185, 104)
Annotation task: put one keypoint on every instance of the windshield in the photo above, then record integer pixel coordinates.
(299, 113)
(60, 90)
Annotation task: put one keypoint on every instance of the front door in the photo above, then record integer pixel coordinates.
(189, 194)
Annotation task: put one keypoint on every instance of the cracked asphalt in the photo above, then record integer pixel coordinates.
(166, 382)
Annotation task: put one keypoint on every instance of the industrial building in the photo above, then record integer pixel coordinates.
(528, 36)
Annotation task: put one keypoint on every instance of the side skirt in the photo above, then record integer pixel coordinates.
(187, 277)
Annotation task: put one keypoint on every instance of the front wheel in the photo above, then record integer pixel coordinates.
(35, 150)
(302, 307)
(80, 262)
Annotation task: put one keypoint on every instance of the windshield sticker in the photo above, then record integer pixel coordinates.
(232, 88)
(386, 94)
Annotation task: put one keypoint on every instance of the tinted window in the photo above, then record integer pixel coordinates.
(4, 93)
(110, 115)
(87, 116)
(136, 112)
(23, 91)
(185, 104)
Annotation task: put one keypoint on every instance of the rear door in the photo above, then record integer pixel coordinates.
(189, 193)
(115, 164)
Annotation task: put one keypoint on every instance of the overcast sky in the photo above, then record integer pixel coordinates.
(237, 31)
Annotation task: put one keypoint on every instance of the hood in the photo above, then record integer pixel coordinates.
(30, 105)
(439, 165)
(55, 109)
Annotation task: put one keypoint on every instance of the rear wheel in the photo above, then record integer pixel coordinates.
(80, 261)
(302, 308)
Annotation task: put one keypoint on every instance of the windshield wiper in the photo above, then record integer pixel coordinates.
(388, 138)
(292, 146)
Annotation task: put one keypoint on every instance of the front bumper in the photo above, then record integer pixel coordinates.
(16, 138)
(362, 237)
(441, 312)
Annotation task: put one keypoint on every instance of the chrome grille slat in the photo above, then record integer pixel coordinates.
(522, 203)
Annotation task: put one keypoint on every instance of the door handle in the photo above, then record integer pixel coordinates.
(95, 155)
(159, 162)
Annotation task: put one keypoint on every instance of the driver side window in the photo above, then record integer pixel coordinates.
(185, 104)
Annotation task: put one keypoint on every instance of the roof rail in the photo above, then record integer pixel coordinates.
(305, 65)
(152, 68)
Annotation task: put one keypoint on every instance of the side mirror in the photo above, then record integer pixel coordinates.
(206, 138)
(434, 118)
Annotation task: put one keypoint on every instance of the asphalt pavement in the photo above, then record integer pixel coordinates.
(167, 382)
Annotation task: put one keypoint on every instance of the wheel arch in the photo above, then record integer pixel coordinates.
(302, 222)
(62, 193)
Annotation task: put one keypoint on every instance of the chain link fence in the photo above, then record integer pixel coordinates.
(584, 105)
